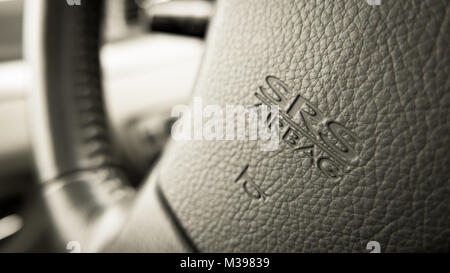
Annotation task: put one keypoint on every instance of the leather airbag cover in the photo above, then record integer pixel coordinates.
(379, 74)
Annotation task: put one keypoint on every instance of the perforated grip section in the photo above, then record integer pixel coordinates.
(75, 123)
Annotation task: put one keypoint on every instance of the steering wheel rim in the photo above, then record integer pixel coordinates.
(83, 184)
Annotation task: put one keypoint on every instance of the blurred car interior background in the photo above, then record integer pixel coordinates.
(146, 46)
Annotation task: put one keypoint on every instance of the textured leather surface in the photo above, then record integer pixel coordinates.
(380, 71)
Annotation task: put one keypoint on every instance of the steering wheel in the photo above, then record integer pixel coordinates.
(363, 98)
